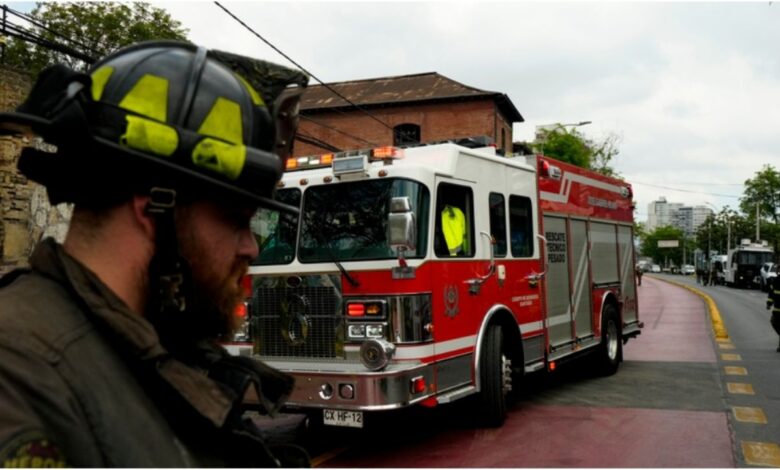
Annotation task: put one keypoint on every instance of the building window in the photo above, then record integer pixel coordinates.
(406, 134)
(503, 140)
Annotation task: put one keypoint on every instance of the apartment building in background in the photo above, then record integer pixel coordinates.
(661, 213)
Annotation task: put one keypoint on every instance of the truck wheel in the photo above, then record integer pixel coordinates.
(495, 375)
(611, 349)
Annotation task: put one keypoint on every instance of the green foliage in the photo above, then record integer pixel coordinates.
(764, 190)
(674, 256)
(572, 147)
(99, 28)
(568, 147)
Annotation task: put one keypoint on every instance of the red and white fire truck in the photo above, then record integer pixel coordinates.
(429, 274)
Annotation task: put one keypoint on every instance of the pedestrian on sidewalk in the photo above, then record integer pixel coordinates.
(110, 350)
(639, 273)
(773, 302)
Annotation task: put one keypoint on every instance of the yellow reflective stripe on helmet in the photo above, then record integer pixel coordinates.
(256, 99)
(221, 157)
(99, 79)
(150, 136)
(148, 97)
(224, 121)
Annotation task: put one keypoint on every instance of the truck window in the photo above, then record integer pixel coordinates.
(521, 226)
(275, 231)
(498, 223)
(454, 221)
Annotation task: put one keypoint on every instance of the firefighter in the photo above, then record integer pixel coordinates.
(773, 302)
(453, 224)
(109, 352)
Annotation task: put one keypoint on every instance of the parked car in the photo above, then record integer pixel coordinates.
(767, 271)
(655, 268)
(688, 269)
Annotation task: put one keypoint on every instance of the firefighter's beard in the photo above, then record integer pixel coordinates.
(210, 307)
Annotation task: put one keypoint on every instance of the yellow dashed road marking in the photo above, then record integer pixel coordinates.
(726, 346)
(320, 459)
(745, 389)
(761, 453)
(746, 414)
(731, 357)
(735, 370)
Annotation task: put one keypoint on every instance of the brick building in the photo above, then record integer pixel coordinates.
(412, 108)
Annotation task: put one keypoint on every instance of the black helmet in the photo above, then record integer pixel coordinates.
(160, 114)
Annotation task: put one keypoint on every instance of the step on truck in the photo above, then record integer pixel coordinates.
(425, 275)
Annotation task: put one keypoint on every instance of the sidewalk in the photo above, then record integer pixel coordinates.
(677, 327)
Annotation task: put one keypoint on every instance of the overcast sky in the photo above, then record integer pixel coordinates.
(692, 89)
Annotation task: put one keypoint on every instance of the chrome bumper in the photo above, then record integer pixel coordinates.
(372, 391)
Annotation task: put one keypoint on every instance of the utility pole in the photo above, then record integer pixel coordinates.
(758, 230)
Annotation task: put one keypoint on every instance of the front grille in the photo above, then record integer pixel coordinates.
(304, 322)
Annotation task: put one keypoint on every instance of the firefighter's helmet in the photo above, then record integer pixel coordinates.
(160, 113)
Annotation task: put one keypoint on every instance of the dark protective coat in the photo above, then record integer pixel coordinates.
(773, 302)
(85, 382)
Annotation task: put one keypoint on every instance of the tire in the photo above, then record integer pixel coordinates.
(610, 351)
(495, 375)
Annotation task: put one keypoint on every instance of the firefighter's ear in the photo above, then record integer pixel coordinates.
(144, 220)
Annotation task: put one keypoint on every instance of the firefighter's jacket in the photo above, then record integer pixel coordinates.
(85, 382)
(773, 300)
(453, 224)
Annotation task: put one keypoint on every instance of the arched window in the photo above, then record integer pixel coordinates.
(406, 134)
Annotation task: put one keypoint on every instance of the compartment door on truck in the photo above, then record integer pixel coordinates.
(627, 283)
(559, 312)
(580, 268)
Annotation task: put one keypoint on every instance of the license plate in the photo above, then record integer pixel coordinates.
(351, 419)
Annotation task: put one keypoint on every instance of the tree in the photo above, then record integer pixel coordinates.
(572, 147)
(569, 147)
(94, 28)
(649, 246)
(603, 153)
(764, 190)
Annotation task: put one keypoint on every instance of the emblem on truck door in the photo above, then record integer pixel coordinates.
(451, 301)
(294, 322)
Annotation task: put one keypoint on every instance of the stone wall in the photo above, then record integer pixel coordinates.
(25, 213)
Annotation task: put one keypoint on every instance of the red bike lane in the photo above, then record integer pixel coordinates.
(664, 408)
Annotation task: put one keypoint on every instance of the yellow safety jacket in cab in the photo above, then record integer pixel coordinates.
(453, 224)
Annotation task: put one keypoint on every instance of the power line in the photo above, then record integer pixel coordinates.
(35, 22)
(241, 22)
(685, 190)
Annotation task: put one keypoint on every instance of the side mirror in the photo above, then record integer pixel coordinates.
(401, 226)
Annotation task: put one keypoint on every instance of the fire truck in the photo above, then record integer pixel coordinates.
(425, 275)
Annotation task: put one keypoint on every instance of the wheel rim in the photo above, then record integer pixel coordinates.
(612, 340)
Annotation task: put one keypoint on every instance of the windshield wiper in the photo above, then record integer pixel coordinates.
(331, 255)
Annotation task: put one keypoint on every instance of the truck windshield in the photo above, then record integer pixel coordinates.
(753, 257)
(348, 221)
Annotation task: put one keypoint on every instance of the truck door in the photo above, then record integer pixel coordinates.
(559, 312)
(627, 286)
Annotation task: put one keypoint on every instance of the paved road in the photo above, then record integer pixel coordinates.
(666, 407)
(751, 346)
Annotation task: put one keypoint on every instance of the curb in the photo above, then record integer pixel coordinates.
(717, 323)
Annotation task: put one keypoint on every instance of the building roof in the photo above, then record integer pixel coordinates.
(405, 89)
